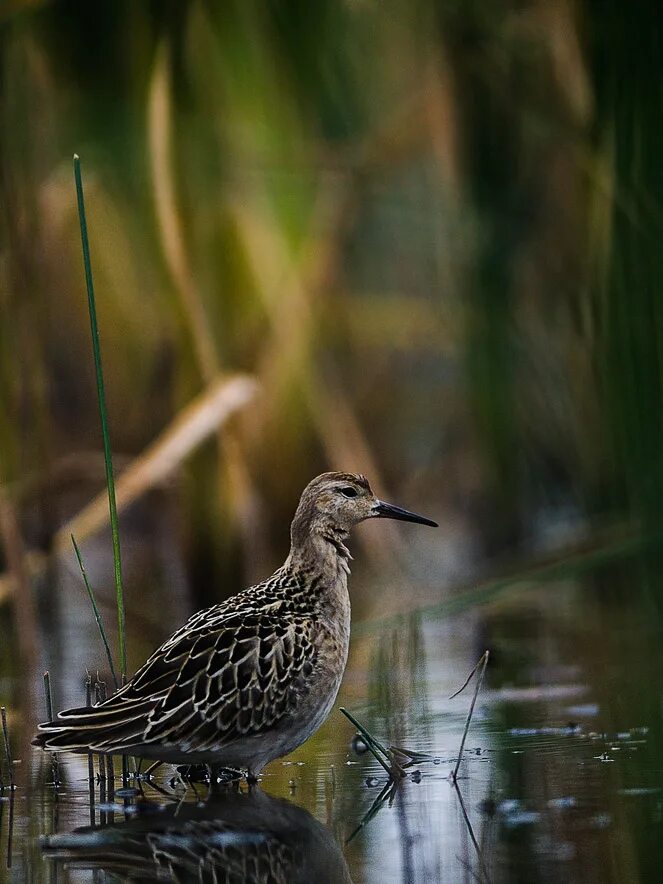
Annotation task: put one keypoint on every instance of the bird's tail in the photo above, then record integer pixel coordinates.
(112, 726)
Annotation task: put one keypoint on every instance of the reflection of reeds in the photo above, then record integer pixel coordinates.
(605, 549)
(48, 696)
(470, 830)
(25, 615)
(398, 681)
(7, 746)
(90, 757)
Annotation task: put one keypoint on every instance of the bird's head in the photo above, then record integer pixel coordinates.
(332, 503)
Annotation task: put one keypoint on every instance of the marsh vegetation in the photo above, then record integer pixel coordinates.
(417, 241)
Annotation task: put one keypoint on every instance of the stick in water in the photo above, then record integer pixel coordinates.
(481, 668)
(373, 745)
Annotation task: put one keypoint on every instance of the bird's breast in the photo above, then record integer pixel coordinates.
(333, 636)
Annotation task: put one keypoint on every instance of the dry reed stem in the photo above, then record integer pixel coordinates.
(195, 423)
(159, 117)
(288, 298)
(244, 497)
(188, 429)
(481, 669)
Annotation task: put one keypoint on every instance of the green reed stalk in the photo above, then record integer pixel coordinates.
(101, 396)
(376, 749)
(95, 608)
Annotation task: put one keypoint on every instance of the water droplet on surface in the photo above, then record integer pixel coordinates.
(359, 745)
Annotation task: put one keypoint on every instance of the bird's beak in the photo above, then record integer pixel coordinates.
(388, 511)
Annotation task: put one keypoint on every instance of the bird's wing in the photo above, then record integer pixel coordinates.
(214, 681)
(235, 679)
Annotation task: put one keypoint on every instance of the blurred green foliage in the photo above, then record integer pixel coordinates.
(429, 229)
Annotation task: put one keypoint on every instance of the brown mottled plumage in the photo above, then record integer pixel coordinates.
(246, 681)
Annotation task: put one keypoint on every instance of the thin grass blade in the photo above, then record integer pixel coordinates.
(376, 748)
(95, 608)
(101, 396)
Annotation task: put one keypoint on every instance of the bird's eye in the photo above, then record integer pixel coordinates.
(349, 491)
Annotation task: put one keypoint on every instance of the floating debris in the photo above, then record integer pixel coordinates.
(564, 803)
(514, 814)
(568, 730)
(583, 710)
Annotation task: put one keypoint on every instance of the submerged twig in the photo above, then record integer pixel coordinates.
(101, 396)
(411, 755)
(481, 667)
(95, 608)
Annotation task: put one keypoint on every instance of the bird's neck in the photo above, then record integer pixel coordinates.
(321, 551)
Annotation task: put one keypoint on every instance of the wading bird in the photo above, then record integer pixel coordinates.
(249, 680)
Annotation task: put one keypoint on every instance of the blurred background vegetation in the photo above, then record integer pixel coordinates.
(429, 230)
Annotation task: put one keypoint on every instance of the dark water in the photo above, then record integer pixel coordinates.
(560, 778)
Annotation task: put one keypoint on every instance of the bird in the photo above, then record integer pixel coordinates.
(247, 837)
(248, 680)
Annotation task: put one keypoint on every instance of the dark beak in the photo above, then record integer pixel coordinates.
(389, 511)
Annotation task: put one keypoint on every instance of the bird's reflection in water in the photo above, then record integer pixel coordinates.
(233, 838)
